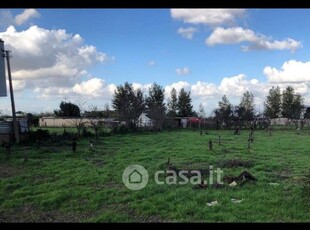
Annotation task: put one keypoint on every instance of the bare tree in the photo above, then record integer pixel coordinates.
(79, 124)
(96, 122)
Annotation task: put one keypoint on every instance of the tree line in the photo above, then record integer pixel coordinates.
(128, 104)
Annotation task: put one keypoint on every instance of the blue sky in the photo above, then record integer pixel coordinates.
(81, 55)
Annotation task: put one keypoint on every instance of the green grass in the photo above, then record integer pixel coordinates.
(55, 185)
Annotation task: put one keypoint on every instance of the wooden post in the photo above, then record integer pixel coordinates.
(210, 145)
(15, 125)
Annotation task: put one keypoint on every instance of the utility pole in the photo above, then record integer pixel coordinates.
(7, 55)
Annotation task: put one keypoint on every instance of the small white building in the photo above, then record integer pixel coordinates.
(145, 121)
(184, 122)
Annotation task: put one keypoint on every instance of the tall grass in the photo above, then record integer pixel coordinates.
(57, 185)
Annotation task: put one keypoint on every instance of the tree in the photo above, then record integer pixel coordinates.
(172, 104)
(138, 106)
(224, 112)
(156, 106)
(292, 103)
(128, 104)
(201, 111)
(107, 111)
(33, 120)
(273, 103)
(79, 124)
(68, 109)
(307, 113)
(95, 121)
(246, 107)
(185, 108)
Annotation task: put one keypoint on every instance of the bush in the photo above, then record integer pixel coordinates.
(40, 135)
(123, 129)
(306, 189)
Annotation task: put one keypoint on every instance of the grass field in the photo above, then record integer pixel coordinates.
(55, 185)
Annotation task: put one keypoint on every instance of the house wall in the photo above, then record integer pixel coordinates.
(184, 122)
(144, 121)
(65, 122)
(286, 121)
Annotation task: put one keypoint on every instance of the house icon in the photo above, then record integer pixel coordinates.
(135, 177)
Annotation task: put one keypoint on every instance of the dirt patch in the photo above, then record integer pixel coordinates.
(243, 178)
(29, 213)
(98, 163)
(280, 175)
(7, 171)
(233, 163)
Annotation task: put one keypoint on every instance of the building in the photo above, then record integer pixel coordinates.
(145, 121)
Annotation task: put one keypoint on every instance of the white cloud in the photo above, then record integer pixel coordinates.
(144, 88)
(230, 36)
(182, 71)
(178, 86)
(187, 32)
(237, 85)
(151, 63)
(18, 85)
(233, 87)
(291, 71)
(289, 44)
(211, 17)
(92, 88)
(257, 41)
(50, 58)
(53, 92)
(25, 16)
(204, 89)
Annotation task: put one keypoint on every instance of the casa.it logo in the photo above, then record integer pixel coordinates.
(135, 177)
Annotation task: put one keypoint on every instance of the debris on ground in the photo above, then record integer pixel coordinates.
(236, 201)
(217, 185)
(213, 203)
(243, 178)
(202, 185)
(274, 184)
(233, 184)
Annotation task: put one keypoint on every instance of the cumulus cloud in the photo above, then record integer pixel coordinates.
(237, 85)
(144, 87)
(50, 58)
(7, 19)
(187, 32)
(257, 41)
(95, 88)
(92, 88)
(204, 89)
(233, 87)
(178, 86)
(211, 17)
(25, 16)
(182, 71)
(291, 71)
(18, 85)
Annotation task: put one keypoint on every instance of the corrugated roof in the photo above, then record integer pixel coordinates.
(5, 127)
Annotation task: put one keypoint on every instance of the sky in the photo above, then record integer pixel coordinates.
(82, 55)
